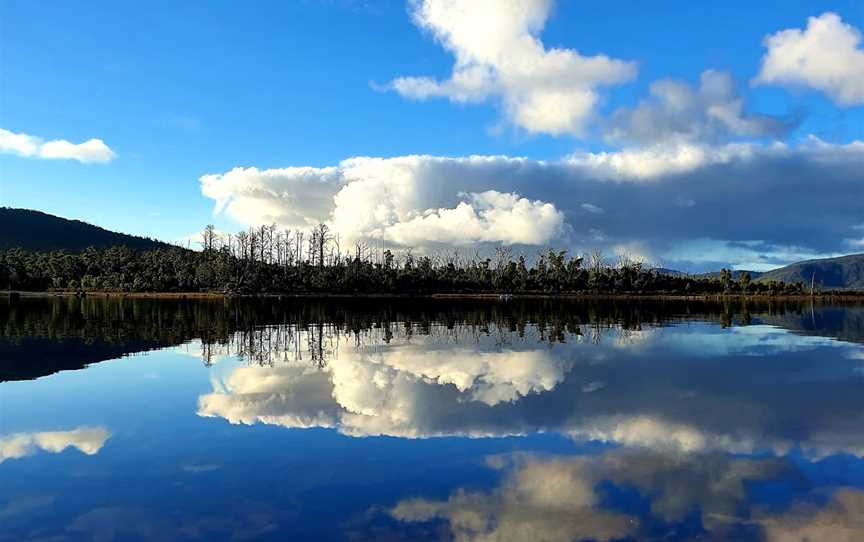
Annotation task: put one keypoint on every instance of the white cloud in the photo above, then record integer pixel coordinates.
(826, 56)
(551, 500)
(88, 440)
(90, 151)
(657, 161)
(387, 199)
(498, 53)
(292, 196)
(677, 113)
(488, 217)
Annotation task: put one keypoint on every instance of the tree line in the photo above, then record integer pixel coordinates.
(268, 259)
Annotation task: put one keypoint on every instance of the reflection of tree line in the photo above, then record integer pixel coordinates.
(172, 321)
(71, 332)
(318, 343)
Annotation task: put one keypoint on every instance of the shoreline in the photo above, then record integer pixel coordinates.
(838, 296)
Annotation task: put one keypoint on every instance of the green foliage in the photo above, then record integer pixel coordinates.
(266, 260)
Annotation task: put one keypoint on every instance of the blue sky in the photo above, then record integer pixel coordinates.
(182, 90)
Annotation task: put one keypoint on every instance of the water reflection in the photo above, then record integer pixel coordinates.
(70, 333)
(670, 496)
(87, 440)
(689, 387)
(405, 420)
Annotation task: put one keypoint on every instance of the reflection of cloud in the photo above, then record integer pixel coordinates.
(290, 396)
(658, 434)
(488, 376)
(552, 500)
(88, 440)
(384, 390)
(560, 498)
(694, 388)
(244, 521)
(841, 520)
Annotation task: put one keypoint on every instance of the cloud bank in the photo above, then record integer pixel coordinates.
(88, 152)
(498, 54)
(788, 200)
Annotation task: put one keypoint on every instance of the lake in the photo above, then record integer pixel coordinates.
(143, 419)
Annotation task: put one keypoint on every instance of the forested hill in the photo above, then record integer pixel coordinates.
(845, 272)
(35, 230)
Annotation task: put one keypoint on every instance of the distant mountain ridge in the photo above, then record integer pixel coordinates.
(35, 230)
(843, 272)
(736, 274)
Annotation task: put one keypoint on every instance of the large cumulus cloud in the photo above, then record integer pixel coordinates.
(801, 199)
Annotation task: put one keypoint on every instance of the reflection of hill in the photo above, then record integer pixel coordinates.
(30, 358)
(844, 323)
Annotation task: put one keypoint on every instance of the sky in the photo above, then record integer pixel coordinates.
(691, 134)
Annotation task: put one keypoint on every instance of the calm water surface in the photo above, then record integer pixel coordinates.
(372, 420)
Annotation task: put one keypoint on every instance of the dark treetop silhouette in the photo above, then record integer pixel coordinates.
(270, 260)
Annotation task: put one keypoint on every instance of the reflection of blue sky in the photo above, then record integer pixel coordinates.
(600, 422)
(706, 340)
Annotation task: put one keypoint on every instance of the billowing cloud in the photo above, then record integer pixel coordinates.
(487, 217)
(90, 151)
(292, 196)
(498, 54)
(658, 198)
(826, 56)
(88, 440)
(678, 113)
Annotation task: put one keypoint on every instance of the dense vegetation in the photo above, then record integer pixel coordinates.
(34, 230)
(269, 260)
